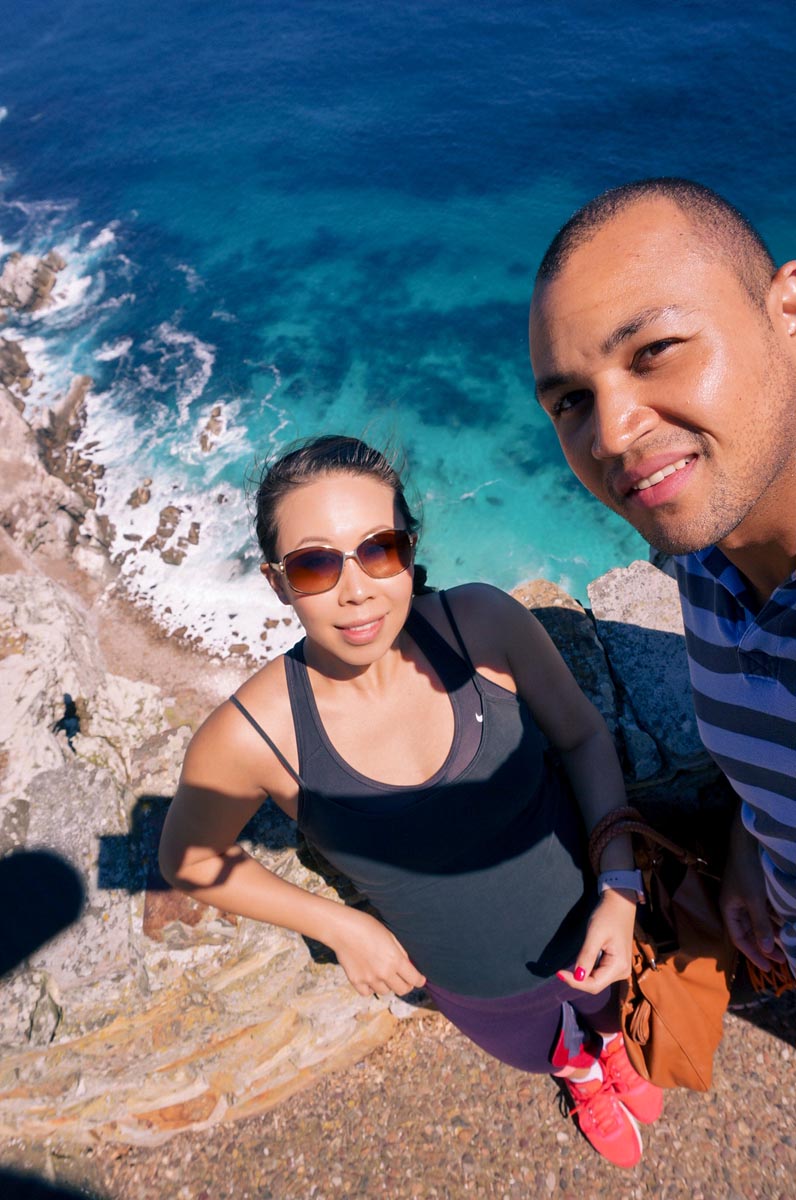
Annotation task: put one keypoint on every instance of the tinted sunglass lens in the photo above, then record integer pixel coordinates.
(385, 554)
(313, 570)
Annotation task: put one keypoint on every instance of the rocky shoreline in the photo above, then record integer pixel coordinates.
(149, 1015)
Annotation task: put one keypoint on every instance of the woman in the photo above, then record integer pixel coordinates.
(407, 735)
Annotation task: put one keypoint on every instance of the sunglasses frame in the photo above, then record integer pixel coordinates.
(345, 555)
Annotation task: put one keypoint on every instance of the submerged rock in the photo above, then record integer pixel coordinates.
(208, 438)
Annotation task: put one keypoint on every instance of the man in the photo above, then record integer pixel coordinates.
(663, 343)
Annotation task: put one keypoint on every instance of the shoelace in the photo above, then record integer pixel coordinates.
(600, 1106)
(616, 1063)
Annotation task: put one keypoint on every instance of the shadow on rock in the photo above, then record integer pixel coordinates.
(130, 861)
(18, 1186)
(40, 895)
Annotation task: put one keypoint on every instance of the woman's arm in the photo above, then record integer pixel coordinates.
(218, 793)
(577, 730)
(572, 724)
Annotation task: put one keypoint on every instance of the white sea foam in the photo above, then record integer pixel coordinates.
(472, 494)
(44, 221)
(114, 302)
(110, 351)
(218, 599)
(192, 277)
(105, 237)
(51, 371)
(3, 112)
(186, 358)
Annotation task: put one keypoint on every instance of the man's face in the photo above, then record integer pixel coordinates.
(673, 396)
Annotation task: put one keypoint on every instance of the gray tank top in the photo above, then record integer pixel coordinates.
(479, 871)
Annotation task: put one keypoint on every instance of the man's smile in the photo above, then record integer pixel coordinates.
(658, 478)
(660, 475)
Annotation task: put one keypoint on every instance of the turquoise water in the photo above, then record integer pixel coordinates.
(327, 217)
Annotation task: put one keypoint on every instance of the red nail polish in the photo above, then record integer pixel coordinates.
(580, 974)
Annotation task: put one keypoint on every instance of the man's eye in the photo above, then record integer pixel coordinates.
(655, 349)
(566, 403)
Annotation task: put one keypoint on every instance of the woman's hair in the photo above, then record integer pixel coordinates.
(316, 458)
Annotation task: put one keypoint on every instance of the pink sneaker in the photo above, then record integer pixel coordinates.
(640, 1097)
(605, 1122)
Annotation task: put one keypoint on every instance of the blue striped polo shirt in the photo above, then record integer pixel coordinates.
(742, 660)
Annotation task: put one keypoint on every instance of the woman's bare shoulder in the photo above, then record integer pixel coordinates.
(472, 605)
(228, 746)
(483, 615)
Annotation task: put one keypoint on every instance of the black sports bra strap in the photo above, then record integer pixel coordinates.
(256, 725)
(456, 633)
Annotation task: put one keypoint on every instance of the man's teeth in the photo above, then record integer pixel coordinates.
(659, 476)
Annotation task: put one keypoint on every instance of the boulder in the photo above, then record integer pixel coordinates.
(15, 370)
(40, 512)
(27, 281)
(637, 614)
(572, 629)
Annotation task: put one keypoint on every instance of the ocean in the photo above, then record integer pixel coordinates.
(287, 219)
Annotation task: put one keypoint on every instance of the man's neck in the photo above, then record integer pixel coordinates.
(763, 545)
(765, 567)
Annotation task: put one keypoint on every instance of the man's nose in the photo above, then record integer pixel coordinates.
(619, 418)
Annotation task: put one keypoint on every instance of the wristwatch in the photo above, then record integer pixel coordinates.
(626, 881)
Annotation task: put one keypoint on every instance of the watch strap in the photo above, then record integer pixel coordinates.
(626, 881)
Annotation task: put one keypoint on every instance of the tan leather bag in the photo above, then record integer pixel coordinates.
(683, 961)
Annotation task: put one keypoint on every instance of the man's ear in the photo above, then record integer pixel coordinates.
(277, 582)
(783, 298)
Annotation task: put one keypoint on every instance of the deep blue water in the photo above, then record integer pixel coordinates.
(327, 216)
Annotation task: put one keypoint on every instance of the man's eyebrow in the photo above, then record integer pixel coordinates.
(628, 329)
(636, 323)
(551, 383)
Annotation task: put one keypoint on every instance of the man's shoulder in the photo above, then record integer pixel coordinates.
(710, 587)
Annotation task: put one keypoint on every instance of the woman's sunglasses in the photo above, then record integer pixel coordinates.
(315, 569)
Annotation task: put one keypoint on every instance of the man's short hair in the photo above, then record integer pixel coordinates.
(725, 231)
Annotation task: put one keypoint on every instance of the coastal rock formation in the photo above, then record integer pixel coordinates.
(40, 512)
(48, 488)
(15, 371)
(27, 281)
(149, 1013)
(208, 438)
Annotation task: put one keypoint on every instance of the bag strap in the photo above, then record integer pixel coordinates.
(628, 820)
(776, 979)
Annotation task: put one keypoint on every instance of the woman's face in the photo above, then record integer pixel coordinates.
(358, 619)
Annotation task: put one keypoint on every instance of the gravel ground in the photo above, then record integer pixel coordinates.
(429, 1115)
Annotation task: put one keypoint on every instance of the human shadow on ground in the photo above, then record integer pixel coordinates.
(16, 1185)
(40, 895)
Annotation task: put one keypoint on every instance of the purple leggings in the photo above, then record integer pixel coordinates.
(522, 1030)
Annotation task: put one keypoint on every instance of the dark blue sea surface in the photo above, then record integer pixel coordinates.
(327, 216)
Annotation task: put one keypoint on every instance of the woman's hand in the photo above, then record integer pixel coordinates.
(373, 960)
(606, 955)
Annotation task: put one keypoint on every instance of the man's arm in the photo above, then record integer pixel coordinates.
(743, 900)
